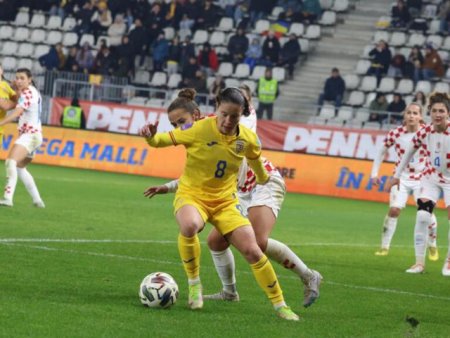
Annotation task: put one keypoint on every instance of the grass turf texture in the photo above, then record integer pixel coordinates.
(89, 289)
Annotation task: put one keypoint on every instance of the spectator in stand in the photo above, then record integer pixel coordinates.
(85, 58)
(207, 59)
(414, 64)
(155, 23)
(187, 51)
(117, 30)
(9, 10)
(267, 92)
(125, 60)
(104, 62)
(333, 90)
(228, 6)
(173, 56)
(414, 7)
(381, 59)
(101, 20)
(290, 52)
(186, 23)
(160, 51)
(294, 5)
(198, 82)
(71, 64)
(259, 9)
(138, 40)
(420, 98)
(444, 17)
(208, 16)
(189, 70)
(397, 66)
(140, 10)
(253, 54)
(271, 50)
(400, 16)
(174, 11)
(378, 108)
(58, 9)
(129, 18)
(54, 59)
(193, 9)
(432, 64)
(311, 11)
(83, 17)
(215, 88)
(241, 15)
(237, 46)
(397, 106)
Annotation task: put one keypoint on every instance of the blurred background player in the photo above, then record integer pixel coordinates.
(400, 138)
(436, 140)
(260, 203)
(28, 110)
(206, 192)
(8, 99)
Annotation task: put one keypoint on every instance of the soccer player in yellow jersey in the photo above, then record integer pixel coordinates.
(7, 100)
(206, 192)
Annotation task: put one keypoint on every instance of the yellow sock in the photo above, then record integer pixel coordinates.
(267, 280)
(189, 248)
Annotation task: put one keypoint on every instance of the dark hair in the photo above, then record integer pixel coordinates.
(28, 73)
(185, 100)
(438, 97)
(247, 90)
(234, 95)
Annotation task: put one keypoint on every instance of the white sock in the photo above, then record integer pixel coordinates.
(423, 219)
(432, 231)
(224, 263)
(283, 255)
(448, 253)
(11, 179)
(28, 181)
(389, 227)
(194, 281)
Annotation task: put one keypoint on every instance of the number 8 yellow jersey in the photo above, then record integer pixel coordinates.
(213, 159)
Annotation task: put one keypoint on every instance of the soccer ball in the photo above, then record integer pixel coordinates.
(158, 290)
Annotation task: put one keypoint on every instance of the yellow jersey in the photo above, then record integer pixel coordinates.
(213, 159)
(6, 92)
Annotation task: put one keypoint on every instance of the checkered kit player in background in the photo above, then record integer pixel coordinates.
(435, 139)
(400, 138)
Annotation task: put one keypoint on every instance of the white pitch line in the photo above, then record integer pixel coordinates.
(133, 258)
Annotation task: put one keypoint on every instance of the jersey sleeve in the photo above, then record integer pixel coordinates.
(253, 155)
(184, 136)
(379, 157)
(25, 100)
(389, 140)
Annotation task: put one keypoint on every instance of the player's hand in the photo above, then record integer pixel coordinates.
(375, 181)
(149, 130)
(391, 183)
(159, 190)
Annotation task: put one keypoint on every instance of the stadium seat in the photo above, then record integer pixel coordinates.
(159, 79)
(157, 103)
(444, 55)
(22, 19)
(351, 81)
(242, 71)
(6, 32)
(327, 111)
(217, 38)
(388, 126)
(230, 82)
(353, 124)
(251, 84)
(169, 33)
(103, 39)
(279, 74)
(225, 69)
(25, 63)
(416, 39)
(442, 87)
(356, 98)
(328, 18)
(383, 22)
(174, 81)
(345, 113)
(54, 22)
(40, 50)
(276, 11)
(70, 39)
(366, 51)
(335, 123)
(317, 120)
(261, 26)
(304, 45)
(446, 44)
(21, 34)
(226, 24)
(9, 63)
(362, 115)
(435, 40)
(37, 68)
(369, 98)
(423, 86)
(387, 85)
(25, 50)
(258, 72)
(408, 99)
(340, 6)
(54, 37)
(37, 21)
(183, 33)
(429, 11)
(9, 48)
(435, 26)
(405, 86)
(405, 51)
(368, 83)
(371, 125)
(296, 28)
(397, 39)
(362, 67)
(326, 4)
(207, 109)
(313, 32)
(87, 38)
(200, 37)
(142, 77)
(38, 36)
(137, 101)
(381, 35)
(69, 24)
(389, 97)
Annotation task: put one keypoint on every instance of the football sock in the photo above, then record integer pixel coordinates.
(189, 248)
(432, 231)
(389, 226)
(267, 280)
(28, 181)
(448, 253)
(11, 179)
(283, 255)
(225, 267)
(423, 219)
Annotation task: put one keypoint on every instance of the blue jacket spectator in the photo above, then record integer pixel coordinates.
(334, 89)
(160, 52)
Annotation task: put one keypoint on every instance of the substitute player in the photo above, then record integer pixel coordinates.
(400, 138)
(435, 139)
(260, 203)
(215, 148)
(28, 110)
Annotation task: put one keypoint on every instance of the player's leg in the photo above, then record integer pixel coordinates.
(28, 180)
(446, 267)
(190, 220)
(17, 154)
(225, 266)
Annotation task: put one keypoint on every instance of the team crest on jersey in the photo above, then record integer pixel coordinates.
(438, 146)
(186, 126)
(240, 146)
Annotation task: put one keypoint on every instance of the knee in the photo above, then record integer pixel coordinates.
(252, 253)
(262, 243)
(189, 229)
(216, 243)
(394, 212)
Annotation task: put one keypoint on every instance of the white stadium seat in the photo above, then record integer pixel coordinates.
(423, 86)
(40, 50)
(387, 85)
(137, 101)
(169, 33)
(435, 40)
(251, 84)
(38, 36)
(368, 83)
(9, 63)
(54, 37)
(372, 125)
(351, 81)
(261, 26)
(297, 29)
(54, 22)
(70, 39)
(25, 49)
(327, 111)
(155, 102)
(381, 35)
(258, 72)
(69, 24)
(231, 82)
(442, 87)
(21, 34)
(25, 63)
(405, 86)
(340, 5)
(226, 24)
(345, 113)
(142, 77)
(326, 4)
(362, 115)
(366, 51)
(313, 32)
(304, 45)
(217, 38)
(225, 69)
(159, 79)
(416, 39)
(356, 98)
(174, 81)
(397, 39)
(276, 11)
(279, 74)
(9, 48)
(369, 98)
(87, 38)
(37, 21)
(22, 19)
(6, 32)
(242, 71)
(362, 67)
(328, 18)
(446, 44)
(200, 37)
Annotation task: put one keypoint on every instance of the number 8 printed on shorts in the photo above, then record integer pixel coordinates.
(220, 169)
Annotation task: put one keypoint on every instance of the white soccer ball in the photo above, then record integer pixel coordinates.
(158, 290)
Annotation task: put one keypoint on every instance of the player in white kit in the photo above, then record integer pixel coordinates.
(28, 110)
(435, 139)
(400, 138)
(261, 204)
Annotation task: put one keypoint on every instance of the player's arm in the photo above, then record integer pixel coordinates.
(14, 115)
(171, 186)
(175, 137)
(379, 157)
(406, 158)
(255, 162)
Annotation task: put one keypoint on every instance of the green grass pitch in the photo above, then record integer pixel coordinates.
(74, 268)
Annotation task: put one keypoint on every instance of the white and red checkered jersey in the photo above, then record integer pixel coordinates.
(437, 148)
(400, 139)
(247, 182)
(30, 120)
(249, 121)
